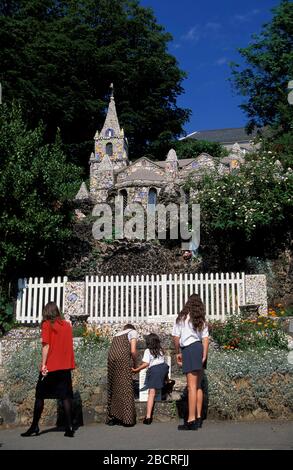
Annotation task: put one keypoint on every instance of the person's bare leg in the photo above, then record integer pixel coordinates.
(192, 380)
(199, 397)
(199, 402)
(150, 402)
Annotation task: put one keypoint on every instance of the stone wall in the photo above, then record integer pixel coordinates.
(257, 390)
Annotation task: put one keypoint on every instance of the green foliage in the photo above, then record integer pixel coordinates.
(78, 331)
(36, 185)
(6, 315)
(288, 312)
(269, 66)
(240, 333)
(91, 361)
(250, 207)
(257, 196)
(22, 367)
(281, 145)
(280, 311)
(239, 382)
(92, 339)
(190, 148)
(59, 57)
(78, 269)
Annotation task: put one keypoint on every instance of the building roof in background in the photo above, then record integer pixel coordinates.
(224, 136)
(144, 174)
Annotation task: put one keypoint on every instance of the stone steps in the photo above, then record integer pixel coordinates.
(171, 407)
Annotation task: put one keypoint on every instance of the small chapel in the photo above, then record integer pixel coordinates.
(142, 180)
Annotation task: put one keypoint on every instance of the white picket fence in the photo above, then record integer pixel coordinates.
(34, 293)
(161, 297)
(111, 299)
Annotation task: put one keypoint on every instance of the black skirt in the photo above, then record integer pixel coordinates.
(56, 384)
(156, 376)
(192, 357)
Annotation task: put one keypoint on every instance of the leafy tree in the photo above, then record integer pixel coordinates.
(36, 184)
(281, 145)
(189, 148)
(263, 80)
(58, 57)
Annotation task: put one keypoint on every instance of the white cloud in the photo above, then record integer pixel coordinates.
(197, 32)
(213, 26)
(245, 17)
(193, 34)
(222, 61)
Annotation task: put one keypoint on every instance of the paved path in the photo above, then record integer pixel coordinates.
(165, 436)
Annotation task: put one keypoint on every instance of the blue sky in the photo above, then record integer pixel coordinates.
(206, 35)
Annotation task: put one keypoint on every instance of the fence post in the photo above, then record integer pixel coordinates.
(256, 291)
(74, 299)
(19, 300)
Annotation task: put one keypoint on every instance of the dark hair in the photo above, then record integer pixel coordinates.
(129, 327)
(51, 312)
(195, 308)
(153, 343)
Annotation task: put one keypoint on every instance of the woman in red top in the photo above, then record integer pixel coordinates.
(57, 363)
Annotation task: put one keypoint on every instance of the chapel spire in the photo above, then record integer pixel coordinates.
(111, 126)
(111, 141)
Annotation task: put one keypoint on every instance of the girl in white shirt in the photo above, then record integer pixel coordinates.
(157, 372)
(191, 335)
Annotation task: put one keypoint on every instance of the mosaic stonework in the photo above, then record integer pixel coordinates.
(74, 299)
(256, 291)
(110, 167)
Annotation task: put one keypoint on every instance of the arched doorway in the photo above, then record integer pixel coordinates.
(152, 198)
(109, 149)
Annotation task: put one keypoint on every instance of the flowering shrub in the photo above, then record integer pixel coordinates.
(280, 311)
(257, 195)
(240, 333)
(97, 333)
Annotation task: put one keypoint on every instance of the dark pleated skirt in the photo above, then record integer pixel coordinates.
(192, 357)
(56, 384)
(156, 376)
